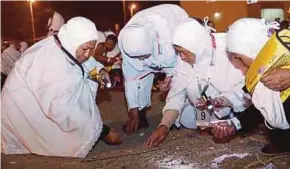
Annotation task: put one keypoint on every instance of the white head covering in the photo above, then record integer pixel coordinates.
(55, 23)
(76, 32)
(194, 37)
(23, 47)
(247, 36)
(135, 40)
(109, 32)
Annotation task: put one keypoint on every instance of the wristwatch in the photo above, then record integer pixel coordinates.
(236, 123)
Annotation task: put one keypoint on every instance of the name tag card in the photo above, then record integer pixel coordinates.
(203, 118)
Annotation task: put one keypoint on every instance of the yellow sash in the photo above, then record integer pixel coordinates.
(94, 74)
(274, 55)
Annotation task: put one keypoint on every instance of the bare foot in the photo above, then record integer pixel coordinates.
(113, 138)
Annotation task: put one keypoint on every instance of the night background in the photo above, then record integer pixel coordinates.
(16, 22)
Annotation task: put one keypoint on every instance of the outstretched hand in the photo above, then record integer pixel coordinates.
(222, 131)
(158, 136)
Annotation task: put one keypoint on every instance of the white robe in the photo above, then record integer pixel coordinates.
(48, 106)
(160, 21)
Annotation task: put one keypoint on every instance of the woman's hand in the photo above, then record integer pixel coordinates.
(222, 131)
(104, 77)
(158, 136)
(277, 80)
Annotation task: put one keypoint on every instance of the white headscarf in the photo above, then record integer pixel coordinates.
(247, 36)
(135, 40)
(76, 32)
(55, 23)
(194, 37)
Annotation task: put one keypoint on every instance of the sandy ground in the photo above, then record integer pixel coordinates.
(183, 149)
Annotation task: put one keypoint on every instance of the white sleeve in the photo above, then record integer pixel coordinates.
(176, 98)
(92, 63)
(168, 58)
(239, 99)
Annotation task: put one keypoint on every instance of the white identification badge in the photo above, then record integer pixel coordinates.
(203, 118)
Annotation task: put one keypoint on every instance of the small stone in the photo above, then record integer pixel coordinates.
(270, 166)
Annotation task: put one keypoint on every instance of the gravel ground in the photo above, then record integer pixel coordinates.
(183, 149)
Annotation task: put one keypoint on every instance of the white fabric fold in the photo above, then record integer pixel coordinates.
(268, 102)
(54, 23)
(136, 41)
(247, 36)
(194, 37)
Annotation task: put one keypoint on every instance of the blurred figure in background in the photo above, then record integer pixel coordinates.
(108, 53)
(8, 58)
(54, 23)
(23, 46)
